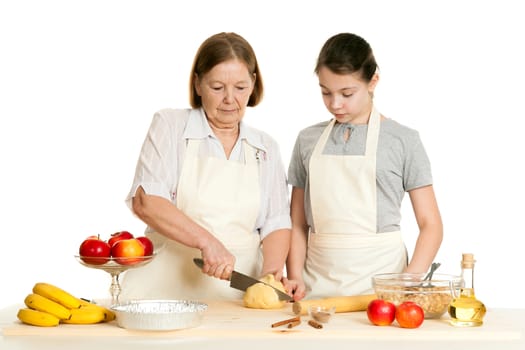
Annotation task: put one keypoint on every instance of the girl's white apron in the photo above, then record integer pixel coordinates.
(222, 196)
(346, 251)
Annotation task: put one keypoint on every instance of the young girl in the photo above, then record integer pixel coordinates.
(348, 177)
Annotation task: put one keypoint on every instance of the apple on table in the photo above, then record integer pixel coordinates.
(381, 312)
(409, 315)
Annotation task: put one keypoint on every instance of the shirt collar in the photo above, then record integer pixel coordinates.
(198, 128)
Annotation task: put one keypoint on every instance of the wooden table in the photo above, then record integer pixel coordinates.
(228, 325)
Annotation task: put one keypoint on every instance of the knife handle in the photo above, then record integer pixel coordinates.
(198, 262)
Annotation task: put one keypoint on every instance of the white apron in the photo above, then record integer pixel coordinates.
(346, 251)
(222, 196)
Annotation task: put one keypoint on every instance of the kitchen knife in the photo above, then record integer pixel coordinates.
(242, 282)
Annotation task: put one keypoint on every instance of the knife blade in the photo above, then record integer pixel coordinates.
(241, 281)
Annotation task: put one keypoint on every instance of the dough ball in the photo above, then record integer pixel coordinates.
(261, 296)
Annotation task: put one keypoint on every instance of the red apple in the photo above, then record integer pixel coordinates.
(118, 236)
(94, 251)
(381, 312)
(148, 245)
(409, 315)
(128, 251)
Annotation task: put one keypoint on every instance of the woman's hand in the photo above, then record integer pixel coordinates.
(295, 288)
(218, 261)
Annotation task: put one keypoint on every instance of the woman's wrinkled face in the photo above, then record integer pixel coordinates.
(346, 96)
(225, 91)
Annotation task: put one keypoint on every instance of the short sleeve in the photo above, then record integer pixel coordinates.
(157, 164)
(296, 168)
(275, 210)
(417, 169)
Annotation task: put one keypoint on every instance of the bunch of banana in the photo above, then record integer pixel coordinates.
(89, 313)
(49, 306)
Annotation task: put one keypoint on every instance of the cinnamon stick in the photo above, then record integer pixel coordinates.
(294, 323)
(315, 324)
(283, 322)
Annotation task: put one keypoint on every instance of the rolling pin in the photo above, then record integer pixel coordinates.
(341, 303)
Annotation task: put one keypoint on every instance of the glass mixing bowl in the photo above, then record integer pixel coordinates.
(434, 295)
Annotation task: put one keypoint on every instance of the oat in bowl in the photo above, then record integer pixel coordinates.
(433, 296)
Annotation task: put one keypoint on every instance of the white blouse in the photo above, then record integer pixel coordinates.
(160, 162)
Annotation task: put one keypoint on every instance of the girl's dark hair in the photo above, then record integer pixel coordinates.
(220, 48)
(347, 53)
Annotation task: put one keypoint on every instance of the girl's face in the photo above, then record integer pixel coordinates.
(225, 91)
(347, 96)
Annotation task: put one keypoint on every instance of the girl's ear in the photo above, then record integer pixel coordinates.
(373, 82)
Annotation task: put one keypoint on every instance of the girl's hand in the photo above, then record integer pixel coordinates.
(296, 288)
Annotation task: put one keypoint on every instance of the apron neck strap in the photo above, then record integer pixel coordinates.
(372, 134)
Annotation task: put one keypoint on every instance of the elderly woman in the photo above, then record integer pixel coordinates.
(207, 185)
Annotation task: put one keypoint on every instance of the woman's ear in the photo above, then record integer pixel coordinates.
(254, 79)
(197, 84)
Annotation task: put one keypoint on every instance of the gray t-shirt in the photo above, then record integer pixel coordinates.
(402, 164)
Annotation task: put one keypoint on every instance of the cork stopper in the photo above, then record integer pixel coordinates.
(468, 261)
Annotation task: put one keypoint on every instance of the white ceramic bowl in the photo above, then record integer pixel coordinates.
(159, 315)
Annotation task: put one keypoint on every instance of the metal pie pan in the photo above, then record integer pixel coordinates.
(159, 315)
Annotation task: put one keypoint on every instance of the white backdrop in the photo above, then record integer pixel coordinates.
(80, 81)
